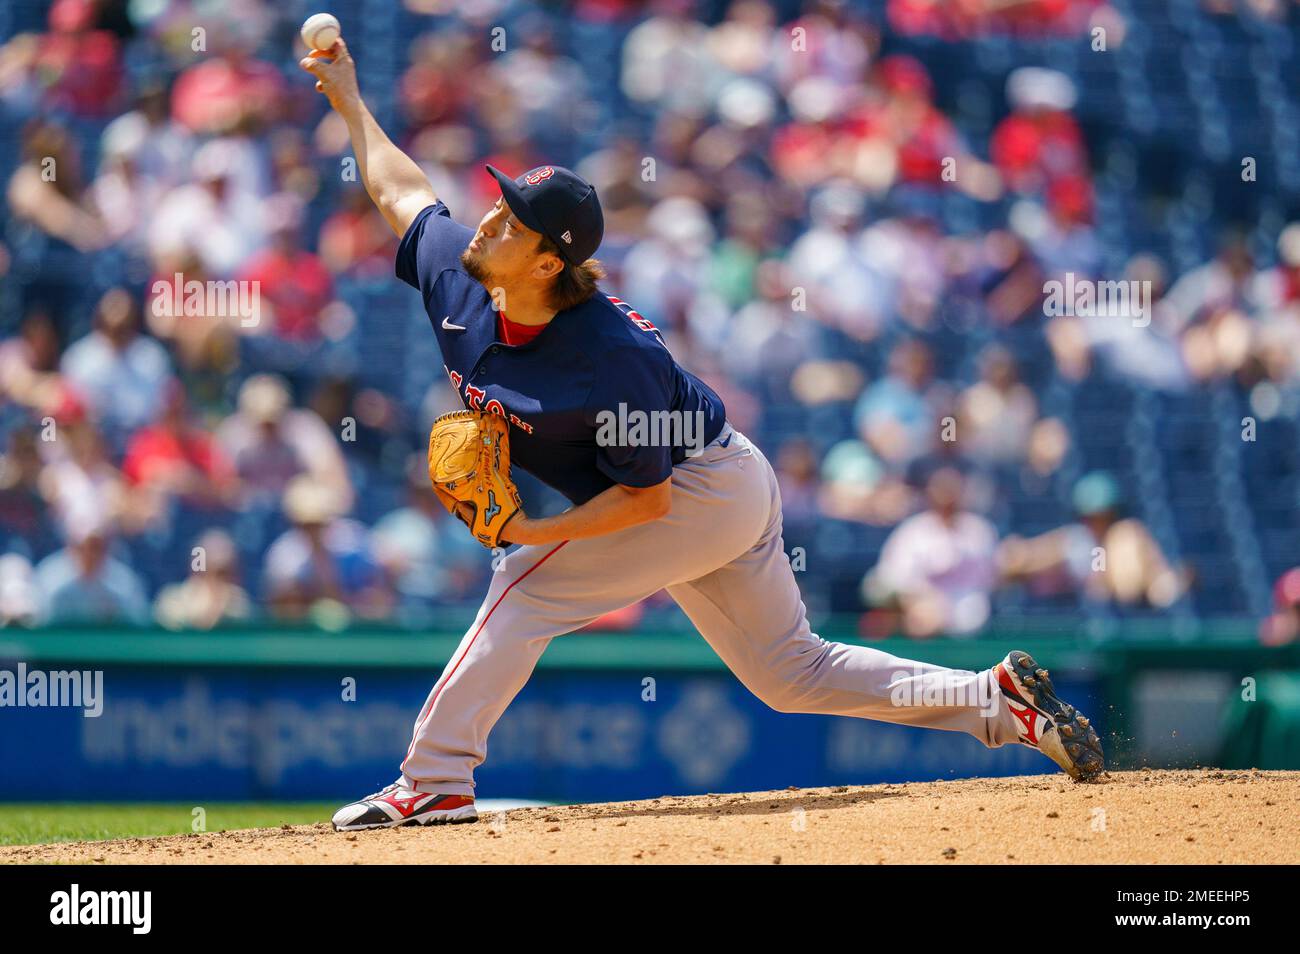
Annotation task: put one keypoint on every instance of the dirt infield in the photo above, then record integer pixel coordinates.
(1205, 817)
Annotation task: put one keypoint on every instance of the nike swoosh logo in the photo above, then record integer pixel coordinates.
(726, 442)
(446, 323)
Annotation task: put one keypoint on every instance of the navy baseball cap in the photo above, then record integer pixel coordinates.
(558, 203)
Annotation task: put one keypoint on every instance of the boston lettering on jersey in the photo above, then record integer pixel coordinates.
(597, 359)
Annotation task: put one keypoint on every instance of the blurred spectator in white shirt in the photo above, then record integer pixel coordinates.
(666, 273)
(667, 62)
(212, 594)
(19, 599)
(216, 218)
(548, 88)
(843, 288)
(80, 482)
(1224, 282)
(83, 584)
(938, 567)
(121, 374)
(160, 148)
(124, 195)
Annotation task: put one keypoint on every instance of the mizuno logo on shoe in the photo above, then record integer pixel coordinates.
(406, 805)
(1026, 717)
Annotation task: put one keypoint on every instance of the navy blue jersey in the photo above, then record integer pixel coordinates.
(587, 399)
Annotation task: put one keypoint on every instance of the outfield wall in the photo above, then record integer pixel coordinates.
(305, 715)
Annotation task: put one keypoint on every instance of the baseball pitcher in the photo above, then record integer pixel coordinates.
(578, 389)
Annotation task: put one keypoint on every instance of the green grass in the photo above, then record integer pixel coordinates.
(31, 824)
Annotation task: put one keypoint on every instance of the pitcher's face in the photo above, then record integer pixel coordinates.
(504, 251)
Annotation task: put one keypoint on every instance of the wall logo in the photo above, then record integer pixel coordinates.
(75, 906)
(704, 735)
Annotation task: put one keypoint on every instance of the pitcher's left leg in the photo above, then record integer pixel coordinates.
(751, 612)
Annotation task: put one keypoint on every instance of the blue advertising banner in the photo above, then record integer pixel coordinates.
(167, 733)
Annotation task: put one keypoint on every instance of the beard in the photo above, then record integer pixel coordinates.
(476, 269)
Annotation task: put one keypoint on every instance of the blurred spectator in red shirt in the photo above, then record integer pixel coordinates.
(960, 19)
(227, 92)
(437, 86)
(356, 241)
(1039, 145)
(928, 150)
(175, 457)
(1279, 287)
(1284, 625)
(80, 65)
(293, 284)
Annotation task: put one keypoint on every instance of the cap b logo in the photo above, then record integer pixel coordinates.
(568, 238)
(541, 174)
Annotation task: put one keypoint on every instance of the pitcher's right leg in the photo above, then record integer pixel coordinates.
(719, 505)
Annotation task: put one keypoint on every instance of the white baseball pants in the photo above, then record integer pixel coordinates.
(719, 554)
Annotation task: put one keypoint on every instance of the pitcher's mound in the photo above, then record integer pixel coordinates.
(1142, 817)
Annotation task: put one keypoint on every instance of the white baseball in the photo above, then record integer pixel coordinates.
(320, 31)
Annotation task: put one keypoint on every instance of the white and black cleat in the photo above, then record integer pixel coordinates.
(395, 805)
(1055, 728)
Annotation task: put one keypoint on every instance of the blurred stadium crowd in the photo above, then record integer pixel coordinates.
(842, 214)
